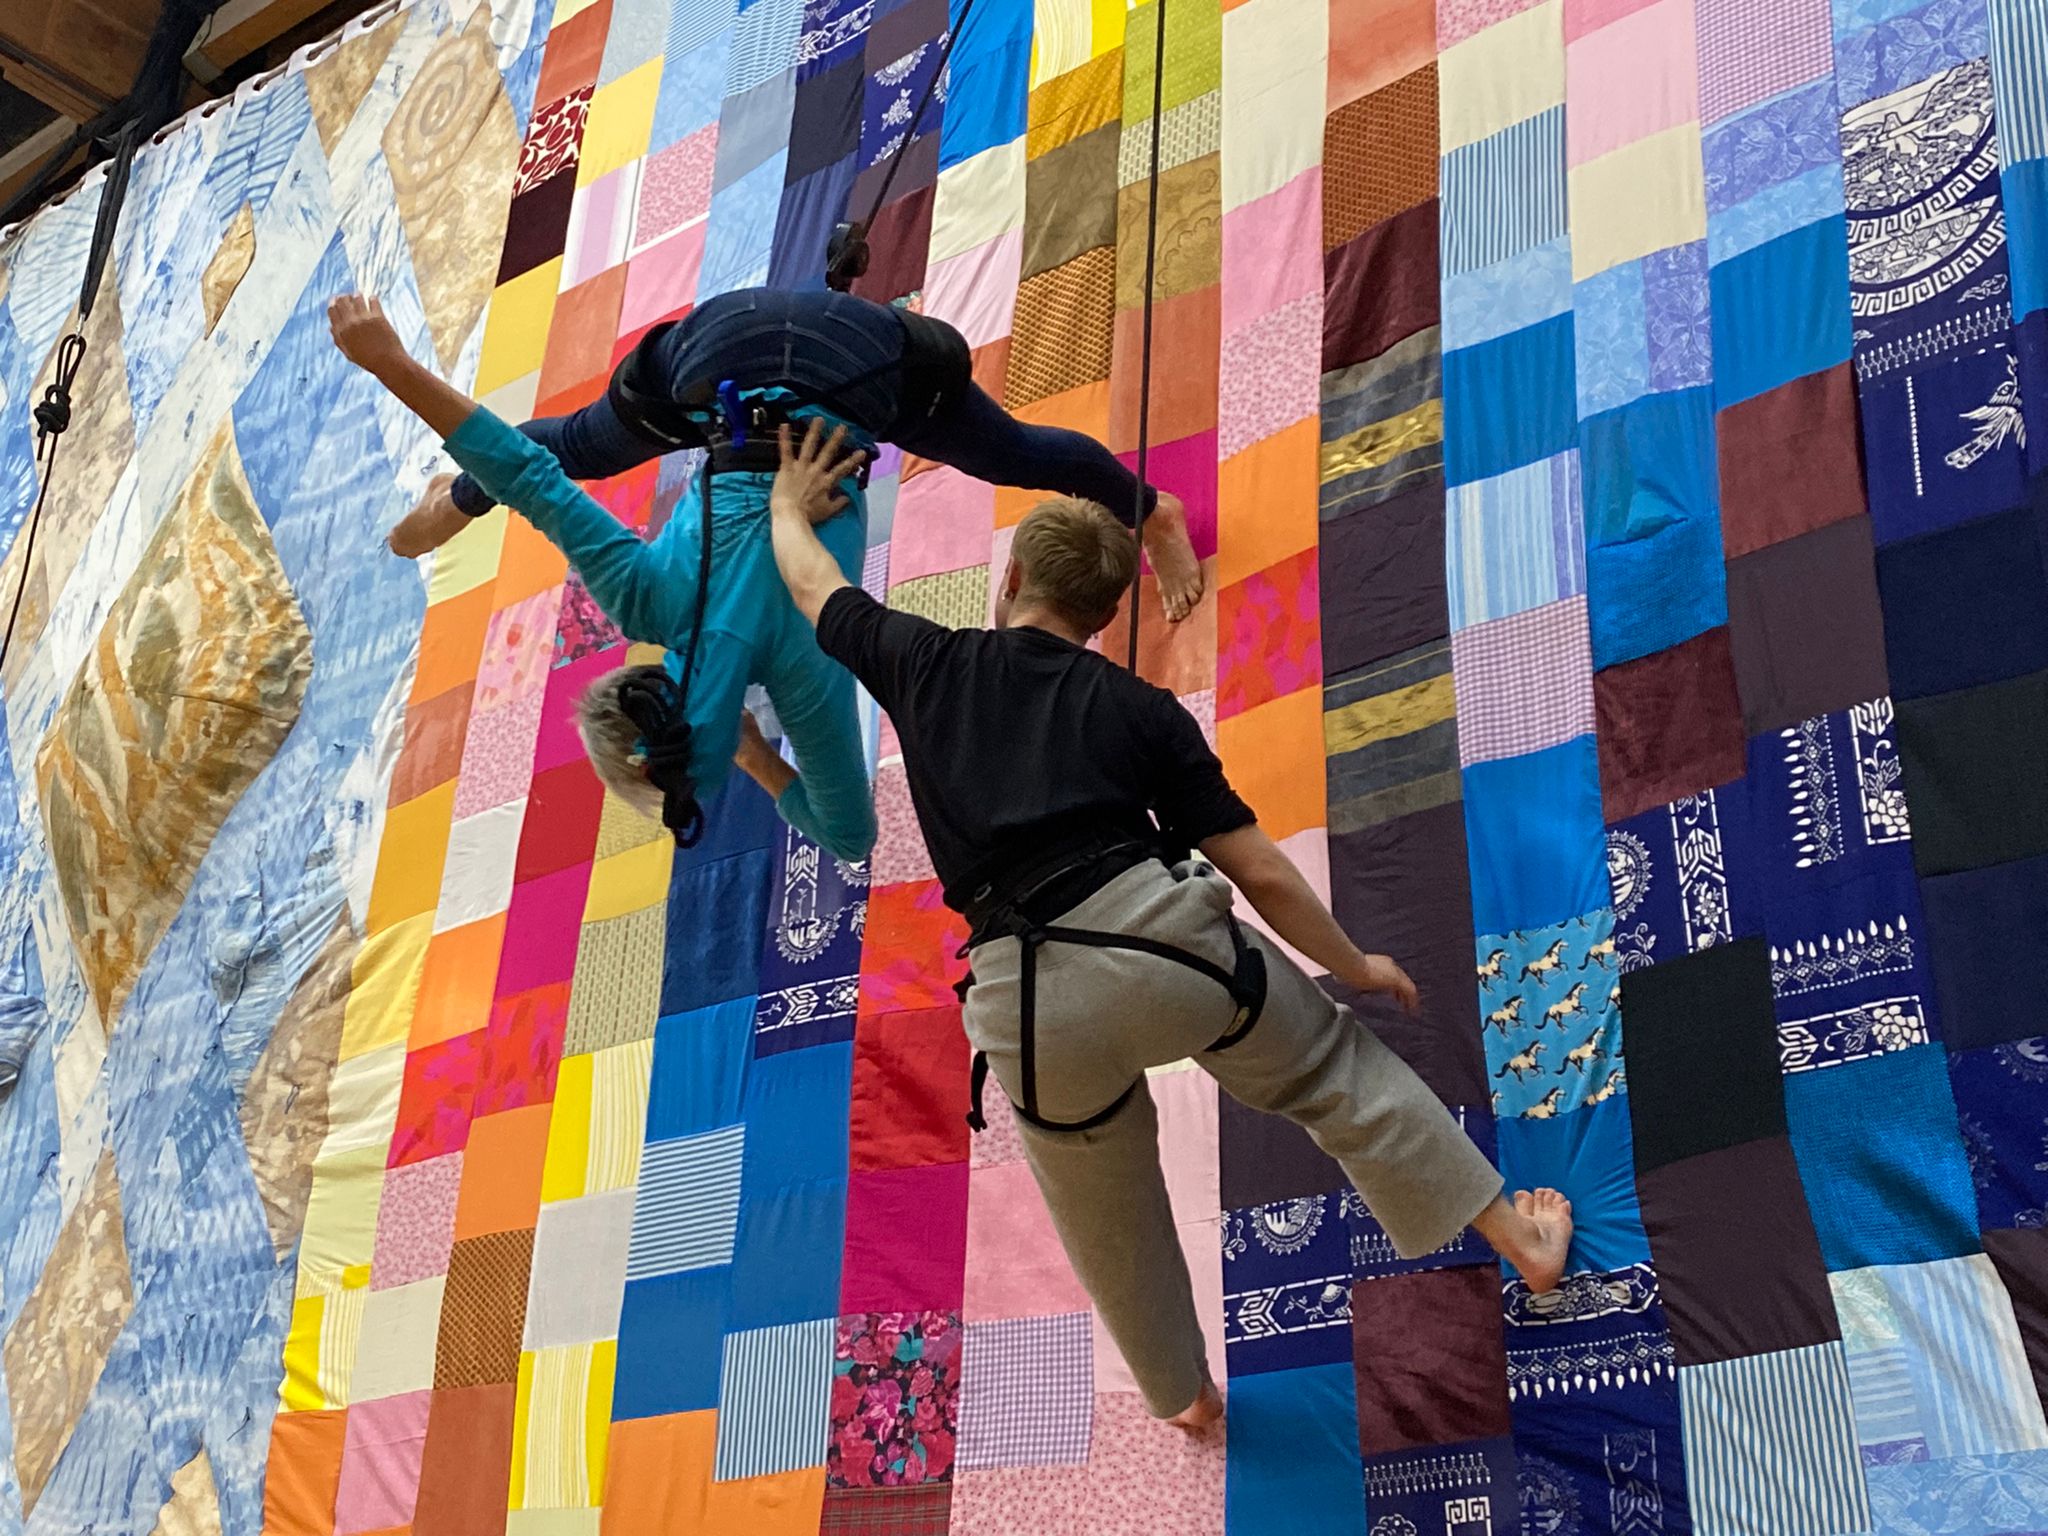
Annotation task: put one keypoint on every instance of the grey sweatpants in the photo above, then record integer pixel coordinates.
(1105, 1015)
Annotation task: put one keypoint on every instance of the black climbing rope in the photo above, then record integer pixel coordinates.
(53, 412)
(1145, 344)
(846, 256)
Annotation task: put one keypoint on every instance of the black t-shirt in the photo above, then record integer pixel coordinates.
(1014, 737)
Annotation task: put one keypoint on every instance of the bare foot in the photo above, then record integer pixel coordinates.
(1202, 1412)
(430, 524)
(1541, 1260)
(1173, 557)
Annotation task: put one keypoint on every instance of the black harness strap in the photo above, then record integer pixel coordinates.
(1246, 985)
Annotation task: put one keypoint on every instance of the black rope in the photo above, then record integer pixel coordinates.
(1145, 345)
(846, 257)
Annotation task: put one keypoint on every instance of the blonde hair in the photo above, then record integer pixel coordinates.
(613, 741)
(1076, 558)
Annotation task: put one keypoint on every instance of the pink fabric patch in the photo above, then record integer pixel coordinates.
(1632, 78)
(976, 291)
(1750, 50)
(1000, 1143)
(518, 651)
(1142, 1477)
(522, 1049)
(1457, 20)
(1201, 1245)
(1186, 467)
(380, 1463)
(906, 1239)
(663, 279)
(1271, 374)
(1273, 252)
(900, 853)
(599, 221)
(1015, 1264)
(943, 520)
(1269, 635)
(675, 185)
(497, 755)
(557, 741)
(1187, 1142)
(1582, 17)
(1308, 851)
(416, 1222)
(998, 567)
(1202, 706)
(435, 1098)
(541, 930)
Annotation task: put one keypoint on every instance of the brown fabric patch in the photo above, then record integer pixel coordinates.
(284, 1106)
(190, 688)
(1791, 461)
(435, 730)
(1805, 626)
(925, 1509)
(1190, 235)
(1379, 157)
(193, 1508)
(483, 1310)
(1670, 725)
(228, 266)
(1429, 1359)
(337, 84)
(1064, 330)
(898, 242)
(452, 147)
(1070, 202)
(1080, 101)
(463, 1465)
(1380, 287)
(60, 1341)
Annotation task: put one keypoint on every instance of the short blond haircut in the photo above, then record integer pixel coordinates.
(1076, 558)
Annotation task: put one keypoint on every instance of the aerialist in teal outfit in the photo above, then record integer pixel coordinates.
(661, 746)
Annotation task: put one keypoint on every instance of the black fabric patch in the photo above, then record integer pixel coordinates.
(1972, 766)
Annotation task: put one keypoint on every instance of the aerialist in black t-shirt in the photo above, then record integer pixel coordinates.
(1059, 796)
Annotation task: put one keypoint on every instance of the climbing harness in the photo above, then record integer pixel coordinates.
(846, 253)
(53, 412)
(1010, 916)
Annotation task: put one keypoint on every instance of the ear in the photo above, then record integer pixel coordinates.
(1013, 579)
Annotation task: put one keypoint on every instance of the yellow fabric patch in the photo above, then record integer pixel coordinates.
(1381, 442)
(630, 881)
(1511, 71)
(1644, 197)
(620, 122)
(1387, 715)
(410, 858)
(470, 559)
(385, 985)
(516, 329)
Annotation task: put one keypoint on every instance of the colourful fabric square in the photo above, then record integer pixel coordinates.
(1750, 51)
(1016, 1264)
(686, 1205)
(1379, 156)
(522, 1047)
(1294, 1453)
(1524, 682)
(1509, 402)
(1789, 461)
(1380, 287)
(2021, 1259)
(1997, 1092)
(1590, 1158)
(1671, 725)
(380, 1463)
(1781, 311)
(1548, 1002)
(1269, 639)
(910, 1084)
(795, 1108)
(1798, 1402)
(1391, 733)
(469, 1430)
(579, 1270)
(1533, 824)
(1027, 1395)
(498, 755)
(1632, 78)
(895, 1399)
(483, 1310)
(1504, 195)
(1429, 1362)
(436, 1099)
(1936, 1364)
(1728, 1226)
(1805, 628)
(1515, 541)
(416, 1221)
(671, 1344)
(772, 1400)
(1652, 516)
(786, 1255)
(1286, 1285)
(1269, 374)
(1382, 426)
(1599, 1337)
(906, 1238)
(717, 914)
(906, 962)
(1971, 1495)
(700, 1070)
(564, 807)
(1882, 1163)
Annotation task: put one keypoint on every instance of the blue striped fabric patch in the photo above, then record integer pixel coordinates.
(686, 1208)
(2019, 77)
(1504, 194)
(1770, 1445)
(774, 1390)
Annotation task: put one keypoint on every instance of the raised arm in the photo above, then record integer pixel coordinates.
(589, 444)
(1253, 863)
(617, 567)
(807, 493)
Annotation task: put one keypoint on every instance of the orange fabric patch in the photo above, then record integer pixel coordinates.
(907, 961)
(1375, 42)
(1181, 658)
(501, 1172)
(658, 1478)
(1080, 101)
(435, 730)
(1187, 342)
(580, 339)
(452, 642)
(1266, 501)
(1079, 410)
(527, 566)
(303, 1474)
(458, 982)
(1273, 755)
(575, 50)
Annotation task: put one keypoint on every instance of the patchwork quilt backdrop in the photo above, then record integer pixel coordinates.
(1606, 426)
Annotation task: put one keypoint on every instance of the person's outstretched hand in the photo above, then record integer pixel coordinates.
(432, 522)
(809, 480)
(1380, 974)
(365, 337)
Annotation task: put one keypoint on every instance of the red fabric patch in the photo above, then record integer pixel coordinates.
(1670, 725)
(563, 809)
(1269, 635)
(910, 1087)
(522, 1048)
(906, 1239)
(908, 961)
(434, 1101)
